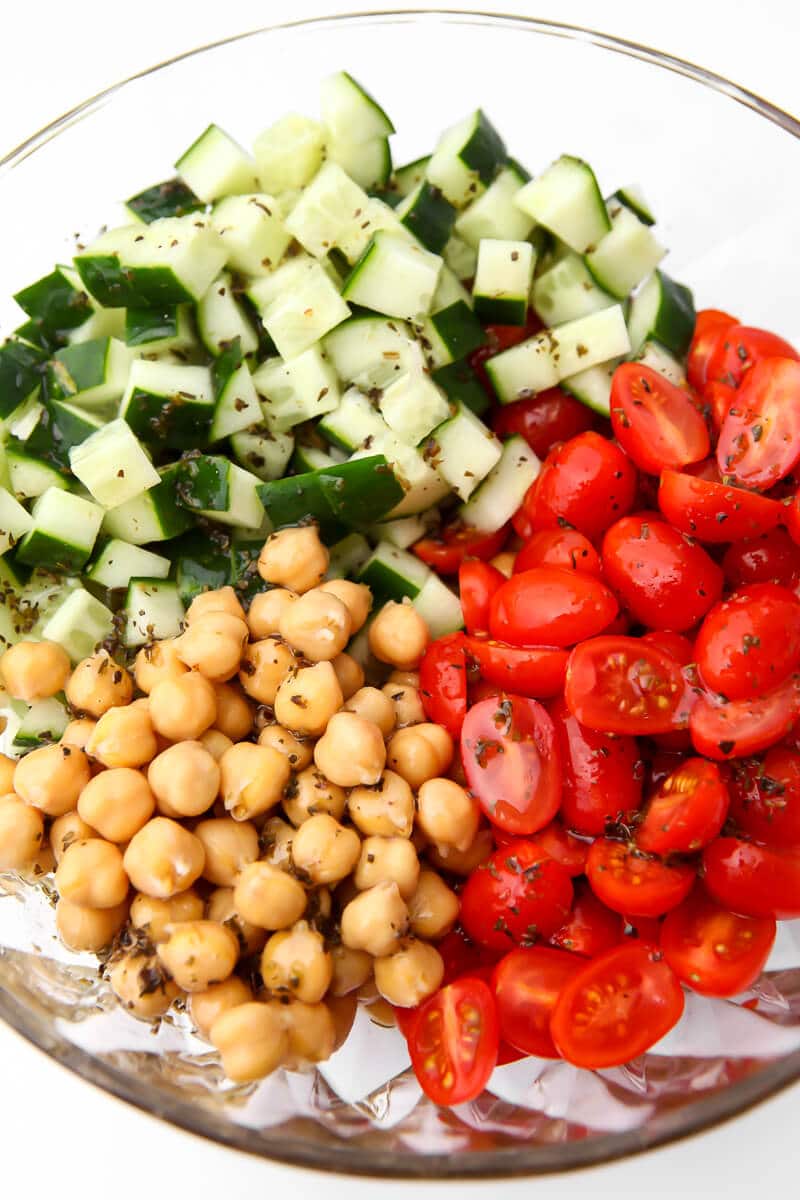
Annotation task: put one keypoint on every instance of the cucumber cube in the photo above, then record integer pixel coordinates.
(503, 490)
(439, 607)
(252, 232)
(79, 624)
(15, 521)
(91, 374)
(393, 277)
(289, 153)
(349, 111)
(172, 198)
(392, 573)
(237, 406)
(449, 334)
(503, 281)
(215, 165)
(494, 214)
(153, 330)
(119, 562)
(300, 307)
(153, 610)
(326, 209)
(44, 722)
(262, 452)
(463, 450)
(566, 291)
(626, 255)
(221, 319)
(65, 528)
(214, 487)
(56, 302)
(28, 477)
(412, 406)
(168, 404)
(466, 159)
(20, 375)
(154, 515)
(428, 215)
(460, 257)
(369, 164)
(112, 465)
(566, 200)
(662, 311)
(302, 389)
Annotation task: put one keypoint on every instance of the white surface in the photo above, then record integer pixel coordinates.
(59, 1132)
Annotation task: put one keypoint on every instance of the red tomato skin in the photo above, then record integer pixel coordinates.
(645, 929)
(589, 482)
(527, 983)
(750, 642)
(594, 667)
(756, 881)
(759, 442)
(560, 844)
(511, 762)
(674, 644)
(687, 812)
(744, 727)
(498, 338)
(791, 515)
(443, 682)
(661, 578)
(740, 350)
(652, 1004)
(461, 956)
(477, 583)
(720, 398)
(565, 548)
(715, 512)
(472, 1020)
(765, 798)
(601, 775)
(772, 558)
(713, 951)
(630, 882)
(709, 327)
(592, 927)
(445, 553)
(658, 424)
(544, 420)
(522, 877)
(550, 606)
(536, 671)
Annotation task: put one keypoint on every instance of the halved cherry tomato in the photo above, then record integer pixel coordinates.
(521, 522)
(559, 548)
(630, 881)
(527, 983)
(791, 515)
(715, 512)
(759, 442)
(663, 579)
(601, 775)
(750, 643)
(462, 956)
(646, 929)
(551, 606)
(772, 558)
(544, 420)
(592, 927)
(561, 845)
(741, 349)
(657, 423)
(757, 881)
(739, 728)
(477, 583)
(674, 644)
(446, 552)
(765, 797)
(531, 670)
(687, 811)
(709, 327)
(719, 398)
(587, 483)
(712, 950)
(624, 685)
(453, 1042)
(443, 682)
(512, 763)
(617, 1006)
(518, 895)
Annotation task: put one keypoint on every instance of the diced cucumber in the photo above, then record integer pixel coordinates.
(311, 458)
(237, 406)
(119, 562)
(262, 452)
(103, 322)
(289, 153)
(64, 530)
(374, 217)
(393, 277)
(59, 427)
(496, 500)
(44, 722)
(428, 215)
(40, 596)
(567, 290)
(449, 291)
(169, 404)
(622, 258)
(153, 610)
(460, 257)
(214, 487)
(593, 386)
(326, 209)
(221, 318)
(412, 406)
(79, 624)
(24, 420)
(251, 231)
(297, 500)
(347, 556)
(200, 565)
(372, 351)
(494, 214)
(349, 110)
(298, 304)
(12, 624)
(57, 302)
(461, 385)
(449, 334)
(633, 198)
(566, 200)
(354, 493)
(391, 573)
(29, 477)
(463, 451)
(302, 389)
(15, 521)
(354, 423)
(655, 356)
(90, 374)
(153, 516)
(439, 607)
(112, 465)
(503, 279)
(21, 368)
(172, 198)
(467, 157)
(215, 165)
(662, 311)
(403, 532)
(368, 163)
(152, 330)
(409, 176)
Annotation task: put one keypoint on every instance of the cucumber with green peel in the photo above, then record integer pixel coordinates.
(567, 290)
(56, 302)
(303, 388)
(409, 176)
(393, 276)
(392, 574)
(79, 623)
(221, 318)
(200, 564)
(15, 521)
(311, 458)
(428, 215)
(118, 562)
(326, 209)
(460, 383)
(448, 334)
(103, 322)
(347, 556)
(662, 311)
(497, 498)
(624, 256)
(372, 351)
(21, 367)
(463, 450)
(348, 109)
(633, 198)
(655, 356)
(212, 486)
(236, 405)
(172, 198)
(63, 533)
(90, 374)
(593, 386)
(42, 724)
(215, 165)
(449, 291)
(244, 577)
(153, 610)
(289, 153)
(494, 214)
(112, 465)
(262, 452)
(439, 607)
(170, 405)
(503, 278)
(154, 516)
(58, 428)
(151, 330)
(460, 257)
(361, 490)
(298, 305)
(252, 232)
(369, 164)
(29, 476)
(566, 199)
(467, 157)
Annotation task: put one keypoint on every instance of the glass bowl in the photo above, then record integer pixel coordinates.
(722, 169)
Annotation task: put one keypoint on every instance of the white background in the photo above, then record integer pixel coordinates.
(56, 1132)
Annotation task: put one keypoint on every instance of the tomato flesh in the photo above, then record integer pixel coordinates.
(750, 643)
(477, 583)
(756, 881)
(739, 349)
(443, 682)
(592, 927)
(527, 984)
(453, 1041)
(759, 442)
(550, 606)
(559, 548)
(587, 483)
(657, 423)
(629, 881)
(446, 552)
(531, 670)
(561, 845)
(518, 895)
(715, 512)
(687, 812)
(710, 326)
(765, 797)
(624, 685)
(742, 727)
(712, 950)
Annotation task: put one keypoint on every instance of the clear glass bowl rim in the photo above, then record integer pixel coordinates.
(347, 1158)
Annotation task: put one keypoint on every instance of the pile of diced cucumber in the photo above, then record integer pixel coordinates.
(285, 335)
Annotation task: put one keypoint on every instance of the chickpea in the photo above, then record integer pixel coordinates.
(463, 862)
(155, 916)
(265, 665)
(277, 837)
(351, 752)
(220, 600)
(294, 558)
(185, 780)
(219, 998)
(447, 814)
(182, 709)
(7, 768)
(141, 985)
(78, 732)
(21, 833)
(222, 908)
(215, 742)
(372, 705)
(307, 699)
(67, 829)
(51, 778)
(398, 635)
(384, 810)
(92, 874)
(252, 779)
(251, 1040)
(393, 859)
(420, 752)
(213, 645)
(504, 563)
(349, 673)
(117, 803)
(123, 737)
(163, 858)
(376, 920)
(269, 898)
(433, 908)
(300, 754)
(312, 1033)
(88, 929)
(266, 610)
(406, 703)
(356, 597)
(34, 670)
(229, 846)
(157, 662)
(317, 625)
(235, 714)
(324, 850)
(409, 975)
(404, 678)
(295, 962)
(309, 793)
(98, 684)
(351, 969)
(199, 953)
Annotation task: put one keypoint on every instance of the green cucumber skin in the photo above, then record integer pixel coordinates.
(172, 198)
(199, 567)
(38, 549)
(677, 334)
(501, 311)
(485, 151)
(431, 219)
(115, 286)
(458, 380)
(358, 498)
(144, 325)
(21, 368)
(225, 365)
(159, 421)
(297, 500)
(54, 304)
(459, 329)
(203, 483)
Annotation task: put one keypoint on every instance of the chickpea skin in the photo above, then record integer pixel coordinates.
(447, 814)
(88, 929)
(222, 600)
(92, 874)
(266, 610)
(408, 976)
(185, 780)
(294, 558)
(433, 908)
(21, 833)
(351, 752)
(351, 969)
(235, 713)
(349, 673)
(384, 810)
(251, 1039)
(375, 920)
(222, 908)
(157, 662)
(317, 625)
(356, 597)
(199, 953)
(406, 702)
(309, 793)
(312, 1034)
(269, 898)
(163, 858)
(219, 998)
(117, 803)
(295, 962)
(78, 732)
(371, 704)
(68, 829)
(98, 684)
(215, 742)
(229, 846)
(182, 709)
(277, 837)
(52, 778)
(463, 862)
(393, 859)
(398, 635)
(300, 754)
(307, 699)
(420, 752)
(264, 667)
(123, 737)
(404, 678)
(213, 645)
(155, 916)
(141, 985)
(252, 779)
(324, 850)
(7, 768)
(34, 670)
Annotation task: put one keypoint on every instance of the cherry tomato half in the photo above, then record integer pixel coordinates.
(617, 1006)
(750, 643)
(624, 685)
(445, 553)
(561, 845)
(453, 1042)
(739, 728)
(765, 797)
(741, 348)
(715, 512)
(757, 881)
(512, 763)
(498, 338)
(559, 548)
(518, 895)
(550, 606)
(527, 983)
(772, 558)
(709, 328)
(587, 483)
(712, 950)
(632, 882)
(477, 583)
(544, 420)
(687, 811)
(657, 423)
(592, 927)
(443, 682)
(532, 670)
(674, 644)
(759, 442)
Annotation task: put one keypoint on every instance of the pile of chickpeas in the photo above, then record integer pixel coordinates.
(239, 820)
